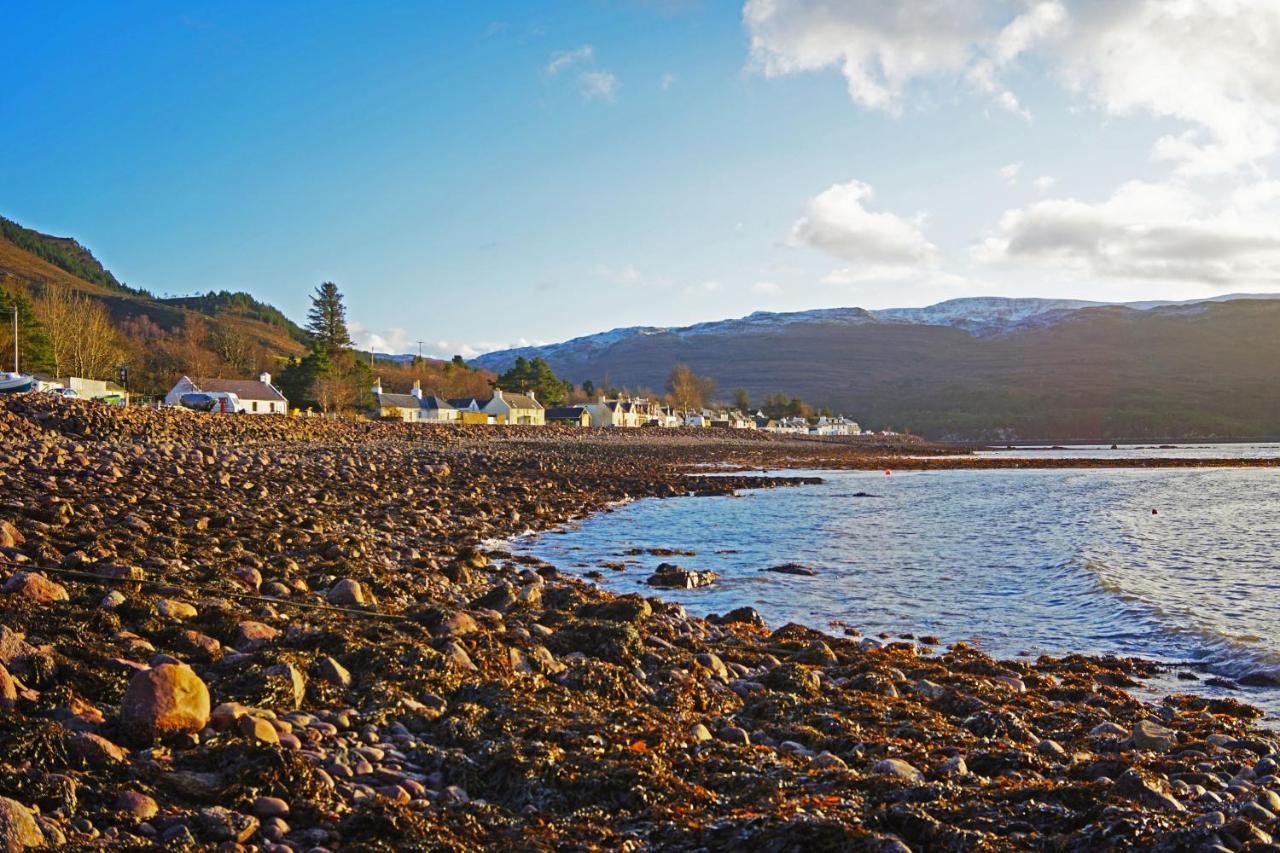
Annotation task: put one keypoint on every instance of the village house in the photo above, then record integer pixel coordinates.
(395, 407)
(569, 415)
(257, 397)
(633, 412)
(732, 420)
(470, 412)
(512, 408)
(414, 407)
(765, 422)
(837, 425)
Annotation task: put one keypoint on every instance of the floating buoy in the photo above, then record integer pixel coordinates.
(887, 472)
(1154, 511)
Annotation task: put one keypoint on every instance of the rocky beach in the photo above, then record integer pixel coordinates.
(291, 634)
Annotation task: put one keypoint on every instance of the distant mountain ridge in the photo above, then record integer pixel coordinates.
(978, 315)
(985, 368)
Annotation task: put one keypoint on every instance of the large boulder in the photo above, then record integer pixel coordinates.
(18, 828)
(1152, 736)
(346, 593)
(36, 587)
(165, 700)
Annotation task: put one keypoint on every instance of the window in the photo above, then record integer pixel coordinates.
(255, 407)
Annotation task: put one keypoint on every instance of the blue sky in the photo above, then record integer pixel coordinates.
(475, 175)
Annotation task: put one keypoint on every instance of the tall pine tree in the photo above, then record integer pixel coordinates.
(33, 343)
(327, 320)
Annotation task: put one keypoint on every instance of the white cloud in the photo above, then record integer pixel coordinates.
(766, 288)
(567, 58)
(628, 276)
(838, 222)
(599, 84)
(1044, 183)
(702, 288)
(883, 47)
(668, 80)
(595, 83)
(1213, 65)
(1148, 231)
(1009, 172)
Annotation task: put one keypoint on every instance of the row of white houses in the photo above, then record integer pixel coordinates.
(260, 397)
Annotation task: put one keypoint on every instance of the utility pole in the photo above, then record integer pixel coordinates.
(420, 350)
(13, 309)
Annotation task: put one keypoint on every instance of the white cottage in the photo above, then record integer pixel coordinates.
(257, 397)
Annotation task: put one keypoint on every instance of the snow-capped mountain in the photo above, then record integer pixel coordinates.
(982, 316)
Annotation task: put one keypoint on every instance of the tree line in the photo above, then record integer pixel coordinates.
(61, 331)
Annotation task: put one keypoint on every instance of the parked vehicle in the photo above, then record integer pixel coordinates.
(211, 401)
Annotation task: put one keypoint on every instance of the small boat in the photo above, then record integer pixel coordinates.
(16, 383)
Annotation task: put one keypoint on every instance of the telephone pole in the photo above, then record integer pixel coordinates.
(420, 350)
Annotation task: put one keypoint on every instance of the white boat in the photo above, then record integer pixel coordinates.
(16, 383)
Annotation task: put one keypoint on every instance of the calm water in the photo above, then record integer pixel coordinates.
(1017, 561)
(1140, 451)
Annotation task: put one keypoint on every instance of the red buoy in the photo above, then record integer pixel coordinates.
(887, 472)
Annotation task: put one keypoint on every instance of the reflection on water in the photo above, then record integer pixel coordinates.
(1018, 561)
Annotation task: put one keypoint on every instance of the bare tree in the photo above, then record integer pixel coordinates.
(235, 348)
(83, 340)
(688, 390)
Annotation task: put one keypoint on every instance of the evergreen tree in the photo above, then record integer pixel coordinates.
(536, 376)
(33, 343)
(327, 319)
(741, 400)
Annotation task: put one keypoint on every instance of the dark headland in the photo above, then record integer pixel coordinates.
(289, 634)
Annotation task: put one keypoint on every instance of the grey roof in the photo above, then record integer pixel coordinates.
(245, 389)
(565, 413)
(519, 401)
(397, 401)
(466, 402)
(431, 401)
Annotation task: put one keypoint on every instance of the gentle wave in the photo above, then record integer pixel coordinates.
(1033, 561)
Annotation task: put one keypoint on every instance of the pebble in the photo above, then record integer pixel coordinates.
(269, 807)
(898, 768)
(137, 804)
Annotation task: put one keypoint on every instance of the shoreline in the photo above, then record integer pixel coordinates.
(504, 704)
(1168, 685)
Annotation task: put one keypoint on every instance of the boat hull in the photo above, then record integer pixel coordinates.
(16, 383)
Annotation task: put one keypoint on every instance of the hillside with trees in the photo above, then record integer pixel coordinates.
(77, 318)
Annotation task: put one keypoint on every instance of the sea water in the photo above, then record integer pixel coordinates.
(1179, 565)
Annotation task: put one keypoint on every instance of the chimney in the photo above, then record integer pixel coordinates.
(497, 392)
(531, 397)
(417, 389)
(264, 378)
(377, 387)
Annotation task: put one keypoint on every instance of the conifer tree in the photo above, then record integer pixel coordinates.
(327, 319)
